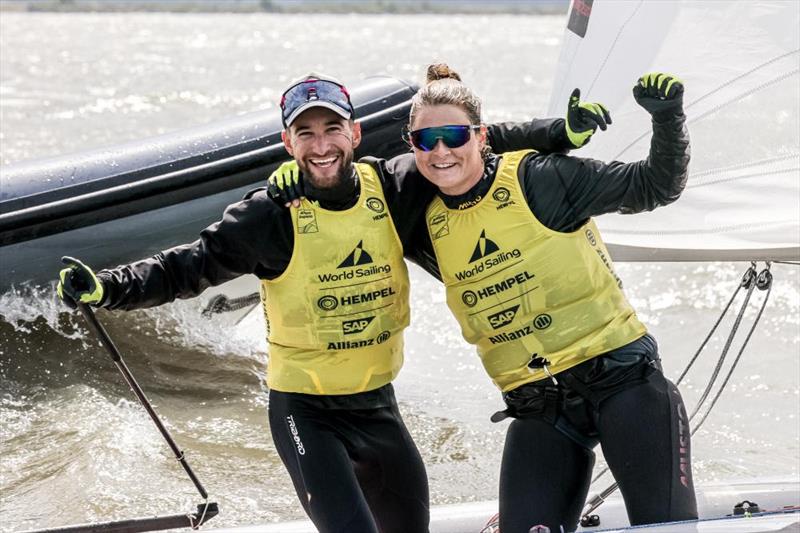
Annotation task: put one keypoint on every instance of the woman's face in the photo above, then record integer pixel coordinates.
(453, 170)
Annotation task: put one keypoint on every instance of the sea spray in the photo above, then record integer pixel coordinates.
(22, 307)
(181, 323)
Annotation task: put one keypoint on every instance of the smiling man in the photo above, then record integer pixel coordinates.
(334, 288)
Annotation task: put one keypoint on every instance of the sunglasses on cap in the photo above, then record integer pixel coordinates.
(452, 136)
(315, 92)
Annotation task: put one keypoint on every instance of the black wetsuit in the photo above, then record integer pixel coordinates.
(620, 399)
(354, 449)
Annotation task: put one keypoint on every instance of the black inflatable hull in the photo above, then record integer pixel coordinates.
(115, 205)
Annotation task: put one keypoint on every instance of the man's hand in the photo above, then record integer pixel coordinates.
(583, 119)
(658, 91)
(77, 283)
(286, 184)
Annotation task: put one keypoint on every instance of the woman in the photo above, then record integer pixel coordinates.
(533, 287)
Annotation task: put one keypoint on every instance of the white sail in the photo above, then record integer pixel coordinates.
(740, 64)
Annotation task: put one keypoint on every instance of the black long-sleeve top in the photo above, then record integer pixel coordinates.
(563, 192)
(255, 236)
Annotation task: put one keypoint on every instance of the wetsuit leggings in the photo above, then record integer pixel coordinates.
(644, 435)
(354, 470)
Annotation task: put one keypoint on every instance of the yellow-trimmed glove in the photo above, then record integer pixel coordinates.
(77, 283)
(285, 184)
(658, 91)
(583, 119)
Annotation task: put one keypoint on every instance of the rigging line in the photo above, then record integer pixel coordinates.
(743, 75)
(749, 273)
(698, 352)
(598, 499)
(745, 94)
(793, 263)
(767, 285)
(749, 282)
(746, 164)
(714, 109)
(613, 45)
(710, 333)
(706, 183)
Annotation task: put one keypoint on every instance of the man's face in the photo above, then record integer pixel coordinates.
(322, 143)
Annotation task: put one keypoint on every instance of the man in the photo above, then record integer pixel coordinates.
(335, 295)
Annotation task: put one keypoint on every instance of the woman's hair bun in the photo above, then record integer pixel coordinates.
(440, 71)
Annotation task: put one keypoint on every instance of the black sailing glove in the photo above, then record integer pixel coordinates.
(658, 92)
(77, 283)
(583, 119)
(285, 184)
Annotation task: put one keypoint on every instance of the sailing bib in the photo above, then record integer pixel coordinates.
(521, 291)
(335, 317)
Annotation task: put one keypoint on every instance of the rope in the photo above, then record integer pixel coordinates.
(700, 349)
(222, 304)
(705, 183)
(764, 282)
(710, 333)
(202, 519)
(748, 281)
(746, 164)
(744, 75)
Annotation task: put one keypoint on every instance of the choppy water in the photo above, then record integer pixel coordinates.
(74, 444)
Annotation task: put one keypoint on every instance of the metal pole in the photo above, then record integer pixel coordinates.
(106, 341)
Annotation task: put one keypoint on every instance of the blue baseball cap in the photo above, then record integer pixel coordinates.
(315, 90)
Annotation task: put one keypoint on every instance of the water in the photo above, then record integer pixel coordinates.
(74, 444)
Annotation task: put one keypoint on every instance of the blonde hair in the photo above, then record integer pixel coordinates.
(443, 86)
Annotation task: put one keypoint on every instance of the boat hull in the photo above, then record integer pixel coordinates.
(115, 205)
(715, 501)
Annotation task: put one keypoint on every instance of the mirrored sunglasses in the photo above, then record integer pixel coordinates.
(452, 136)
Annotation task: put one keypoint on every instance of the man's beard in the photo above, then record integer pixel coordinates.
(344, 174)
(338, 191)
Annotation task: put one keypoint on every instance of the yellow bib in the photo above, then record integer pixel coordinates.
(336, 316)
(521, 290)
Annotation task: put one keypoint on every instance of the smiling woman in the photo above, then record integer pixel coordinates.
(447, 133)
(562, 342)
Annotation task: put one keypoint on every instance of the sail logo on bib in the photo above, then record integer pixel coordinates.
(357, 257)
(486, 255)
(350, 266)
(483, 248)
